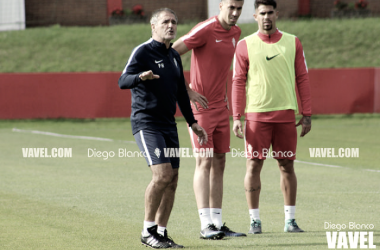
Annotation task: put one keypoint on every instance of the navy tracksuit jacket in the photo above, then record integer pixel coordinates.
(154, 101)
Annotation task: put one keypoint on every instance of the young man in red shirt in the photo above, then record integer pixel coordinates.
(213, 44)
(268, 66)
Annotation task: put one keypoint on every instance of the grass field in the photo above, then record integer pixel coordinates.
(90, 203)
(327, 44)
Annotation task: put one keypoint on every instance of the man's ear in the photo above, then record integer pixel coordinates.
(152, 26)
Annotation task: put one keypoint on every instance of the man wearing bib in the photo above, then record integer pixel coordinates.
(269, 65)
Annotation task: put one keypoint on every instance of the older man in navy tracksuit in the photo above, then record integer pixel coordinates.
(155, 76)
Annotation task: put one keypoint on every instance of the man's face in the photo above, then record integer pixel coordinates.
(230, 11)
(165, 29)
(266, 17)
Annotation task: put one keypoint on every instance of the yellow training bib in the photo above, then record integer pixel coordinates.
(271, 80)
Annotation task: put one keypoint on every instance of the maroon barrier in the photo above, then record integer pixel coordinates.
(342, 91)
(69, 95)
(113, 5)
(93, 95)
(376, 107)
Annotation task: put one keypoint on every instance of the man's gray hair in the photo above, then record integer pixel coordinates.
(156, 14)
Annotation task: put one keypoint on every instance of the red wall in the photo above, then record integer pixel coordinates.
(376, 107)
(342, 91)
(113, 5)
(53, 95)
(91, 95)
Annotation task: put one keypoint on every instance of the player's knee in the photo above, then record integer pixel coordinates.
(254, 166)
(220, 158)
(219, 163)
(164, 176)
(204, 163)
(286, 166)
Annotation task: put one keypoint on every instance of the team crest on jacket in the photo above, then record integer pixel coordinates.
(233, 41)
(175, 62)
(157, 152)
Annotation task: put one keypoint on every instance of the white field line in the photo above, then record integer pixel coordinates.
(372, 170)
(319, 164)
(68, 136)
(333, 166)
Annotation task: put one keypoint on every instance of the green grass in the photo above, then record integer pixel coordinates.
(327, 44)
(91, 203)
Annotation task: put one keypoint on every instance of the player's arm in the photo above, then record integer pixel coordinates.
(184, 105)
(195, 97)
(226, 98)
(129, 80)
(180, 47)
(240, 71)
(134, 71)
(303, 85)
(183, 98)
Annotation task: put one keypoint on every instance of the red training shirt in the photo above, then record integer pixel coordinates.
(213, 50)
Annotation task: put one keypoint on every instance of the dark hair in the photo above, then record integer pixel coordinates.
(156, 13)
(265, 2)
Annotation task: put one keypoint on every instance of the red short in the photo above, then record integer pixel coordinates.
(216, 122)
(260, 135)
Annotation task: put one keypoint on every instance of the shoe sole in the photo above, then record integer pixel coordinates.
(242, 235)
(214, 237)
(256, 233)
(144, 244)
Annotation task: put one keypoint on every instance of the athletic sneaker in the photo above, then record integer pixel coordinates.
(154, 240)
(170, 241)
(255, 227)
(292, 227)
(211, 233)
(230, 233)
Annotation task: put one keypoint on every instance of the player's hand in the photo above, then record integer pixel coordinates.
(148, 75)
(196, 97)
(228, 104)
(237, 128)
(306, 125)
(200, 132)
